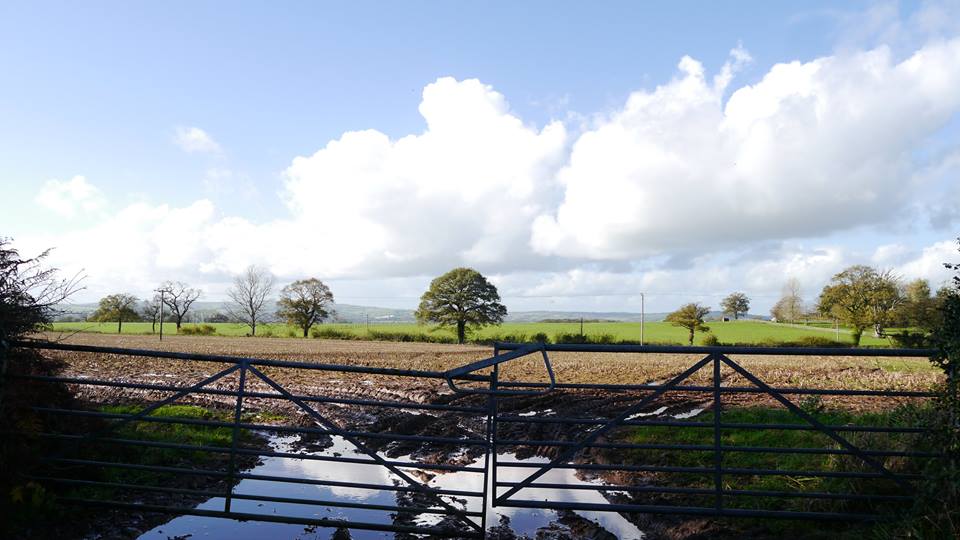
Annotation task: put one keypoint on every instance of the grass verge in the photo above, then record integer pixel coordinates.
(910, 415)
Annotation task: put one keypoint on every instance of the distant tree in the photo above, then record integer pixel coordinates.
(150, 311)
(461, 298)
(117, 307)
(790, 306)
(178, 296)
(919, 308)
(219, 318)
(304, 303)
(736, 304)
(861, 297)
(690, 316)
(248, 295)
(886, 296)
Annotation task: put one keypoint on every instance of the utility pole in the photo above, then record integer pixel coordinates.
(161, 291)
(367, 315)
(642, 317)
(581, 326)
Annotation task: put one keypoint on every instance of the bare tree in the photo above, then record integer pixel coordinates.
(790, 306)
(150, 311)
(178, 296)
(248, 294)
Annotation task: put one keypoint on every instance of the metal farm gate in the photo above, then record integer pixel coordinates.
(488, 413)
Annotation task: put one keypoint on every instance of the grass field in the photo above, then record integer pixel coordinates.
(654, 332)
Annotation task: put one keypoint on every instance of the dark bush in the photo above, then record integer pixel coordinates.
(911, 340)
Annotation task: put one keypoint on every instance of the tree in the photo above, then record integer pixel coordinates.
(886, 296)
(919, 308)
(736, 304)
(304, 303)
(790, 306)
(690, 316)
(117, 307)
(150, 311)
(178, 296)
(29, 294)
(461, 298)
(248, 295)
(861, 297)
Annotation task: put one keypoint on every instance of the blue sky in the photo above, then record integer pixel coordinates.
(185, 122)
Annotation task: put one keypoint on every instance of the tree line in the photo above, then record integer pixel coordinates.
(461, 299)
(302, 303)
(859, 297)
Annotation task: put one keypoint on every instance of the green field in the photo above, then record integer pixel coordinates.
(654, 332)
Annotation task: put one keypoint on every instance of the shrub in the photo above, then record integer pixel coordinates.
(597, 339)
(711, 340)
(327, 332)
(198, 330)
(805, 341)
(413, 337)
(540, 337)
(910, 340)
(569, 337)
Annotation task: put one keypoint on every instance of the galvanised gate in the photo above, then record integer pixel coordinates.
(486, 403)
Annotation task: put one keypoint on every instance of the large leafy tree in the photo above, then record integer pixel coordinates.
(690, 316)
(117, 307)
(736, 304)
(304, 303)
(861, 297)
(249, 294)
(461, 298)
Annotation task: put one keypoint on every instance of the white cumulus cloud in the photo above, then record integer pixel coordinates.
(811, 148)
(70, 198)
(195, 140)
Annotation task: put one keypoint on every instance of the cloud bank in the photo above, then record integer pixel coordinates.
(677, 179)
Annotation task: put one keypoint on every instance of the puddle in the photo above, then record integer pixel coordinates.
(522, 520)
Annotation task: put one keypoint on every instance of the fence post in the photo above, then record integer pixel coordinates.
(236, 435)
(490, 448)
(717, 450)
(493, 431)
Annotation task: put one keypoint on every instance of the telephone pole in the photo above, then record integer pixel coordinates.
(642, 317)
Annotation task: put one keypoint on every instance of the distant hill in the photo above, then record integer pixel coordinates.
(350, 313)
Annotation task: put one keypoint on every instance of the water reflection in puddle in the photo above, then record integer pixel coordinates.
(522, 520)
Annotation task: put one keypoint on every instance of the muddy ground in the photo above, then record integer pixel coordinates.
(778, 371)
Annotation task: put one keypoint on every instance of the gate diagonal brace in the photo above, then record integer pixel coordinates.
(336, 430)
(596, 434)
(841, 440)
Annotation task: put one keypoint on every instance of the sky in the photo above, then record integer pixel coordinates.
(576, 153)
